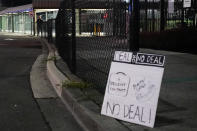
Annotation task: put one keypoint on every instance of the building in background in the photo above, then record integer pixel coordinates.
(47, 10)
(17, 19)
(23, 18)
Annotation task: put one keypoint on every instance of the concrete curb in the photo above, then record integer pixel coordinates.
(37, 76)
(86, 113)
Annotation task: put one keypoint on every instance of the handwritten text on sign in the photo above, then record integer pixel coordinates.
(133, 87)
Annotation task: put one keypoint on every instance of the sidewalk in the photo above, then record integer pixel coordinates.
(177, 108)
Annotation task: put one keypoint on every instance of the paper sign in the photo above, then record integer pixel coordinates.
(186, 3)
(133, 88)
(170, 6)
(123, 56)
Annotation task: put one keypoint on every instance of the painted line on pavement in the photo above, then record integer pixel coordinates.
(3, 44)
(9, 39)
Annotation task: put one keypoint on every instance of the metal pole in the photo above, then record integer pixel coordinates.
(12, 15)
(73, 38)
(31, 26)
(162, 19)
(194, 10)
(80, 27)
(114, 21)
(134, 25)
(34, 22)
(182, 15)
(153, 16)
(146, 15)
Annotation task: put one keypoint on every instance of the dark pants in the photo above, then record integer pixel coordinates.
(39, 29)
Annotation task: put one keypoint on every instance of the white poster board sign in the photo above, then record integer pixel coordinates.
(170, 6)
(133, 87)
(187, 3)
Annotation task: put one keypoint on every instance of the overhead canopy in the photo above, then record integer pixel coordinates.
(92, 4)
(17, 9)
(46, 4)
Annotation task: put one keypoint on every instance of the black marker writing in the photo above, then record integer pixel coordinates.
(113, 108)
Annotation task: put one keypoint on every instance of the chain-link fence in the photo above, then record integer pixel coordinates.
(101, 29)
(89, 31)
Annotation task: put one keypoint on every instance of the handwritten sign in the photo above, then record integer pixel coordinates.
(187, 3)
(133, 87)
(123, 56)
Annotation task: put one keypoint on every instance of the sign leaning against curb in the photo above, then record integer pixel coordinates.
(133, 87)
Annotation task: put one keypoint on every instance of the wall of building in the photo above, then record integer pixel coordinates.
(17, 22)
(46, 4)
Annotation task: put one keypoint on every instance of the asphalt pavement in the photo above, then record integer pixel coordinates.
(19, 109)
(22, 110)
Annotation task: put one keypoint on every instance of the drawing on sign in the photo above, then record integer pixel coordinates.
(119, 84)
(144, 90)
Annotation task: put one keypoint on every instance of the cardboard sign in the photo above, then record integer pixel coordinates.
(186, 3)
(133, 87)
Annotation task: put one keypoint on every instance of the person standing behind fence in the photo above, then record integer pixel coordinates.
(39, 25)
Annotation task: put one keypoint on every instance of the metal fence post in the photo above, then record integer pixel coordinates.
(134, 25)
(195, 11)
(182, 14)
(73, 38)
(162, 19)
(146, 15)
(153, 16)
